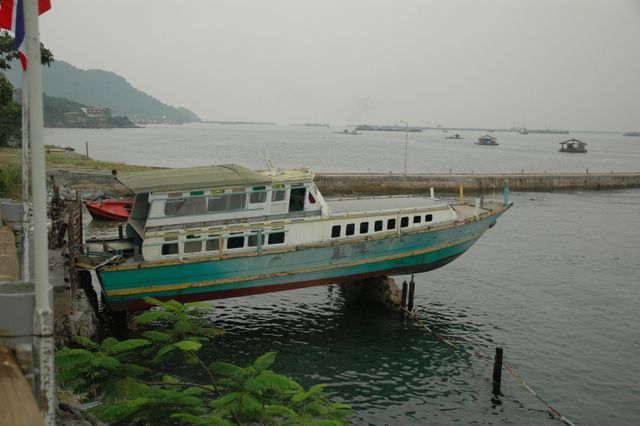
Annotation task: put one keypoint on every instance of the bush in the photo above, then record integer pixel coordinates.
(126, 375)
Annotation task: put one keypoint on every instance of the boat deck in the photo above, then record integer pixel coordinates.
(368, 204)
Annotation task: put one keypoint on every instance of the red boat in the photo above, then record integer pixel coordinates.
(109, 210)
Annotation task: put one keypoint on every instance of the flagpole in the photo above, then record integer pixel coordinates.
(26, 223)
(43, 316)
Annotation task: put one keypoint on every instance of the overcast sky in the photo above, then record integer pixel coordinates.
(571, 64)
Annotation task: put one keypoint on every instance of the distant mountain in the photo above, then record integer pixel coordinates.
(104, 89)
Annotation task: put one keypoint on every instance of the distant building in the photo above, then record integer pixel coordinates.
(97, 112)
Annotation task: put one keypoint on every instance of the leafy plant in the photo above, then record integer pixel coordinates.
(126, 375)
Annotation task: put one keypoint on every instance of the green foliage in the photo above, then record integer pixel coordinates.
(126, 376)
(10, 114)
(11, 181)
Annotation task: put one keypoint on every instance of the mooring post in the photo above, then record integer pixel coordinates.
(86, 148)
(497, 376)
(506, 195)
(412, 290)
(120, 232)
(461, 194)
(403, 299)
(433, 194)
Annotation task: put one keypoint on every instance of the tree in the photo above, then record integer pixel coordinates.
(9, 109)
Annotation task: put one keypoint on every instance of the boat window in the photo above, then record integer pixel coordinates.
(377, 226)
(335, 231)
(185, 206)
(252, 241)
(172, 206)
(235, 242)
(278, 195)
(296, 199)
(417, 219)
(170, 248)
(212, 244)
(364, 227)
(404, 222)
(193, 246)
(351, 229)
(259, 195)
(237, 201)
(276, 237)
(428, 218)
(391, 224)
(224, 202)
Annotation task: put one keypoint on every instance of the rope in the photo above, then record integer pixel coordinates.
(553, 410)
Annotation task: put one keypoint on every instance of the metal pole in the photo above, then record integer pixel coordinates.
(43, 316)
(406, 140)
(26, 225)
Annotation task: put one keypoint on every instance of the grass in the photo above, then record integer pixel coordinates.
(56, 159)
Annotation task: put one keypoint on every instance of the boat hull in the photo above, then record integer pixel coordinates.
(109, 210)
(124, 287)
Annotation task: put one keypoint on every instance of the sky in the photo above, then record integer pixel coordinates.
(565, 64)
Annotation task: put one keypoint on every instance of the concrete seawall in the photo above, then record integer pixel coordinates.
(389, 183)
(368, 183)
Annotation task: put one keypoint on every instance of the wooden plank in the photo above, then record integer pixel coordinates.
(17, 403)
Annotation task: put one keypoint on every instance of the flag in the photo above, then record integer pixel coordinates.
(12, 19)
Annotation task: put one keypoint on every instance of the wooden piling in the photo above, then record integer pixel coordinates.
(497, 374)
(412, 290)
(403, 300)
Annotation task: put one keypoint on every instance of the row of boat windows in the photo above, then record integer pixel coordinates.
(187, 206)
(378, 225)
(194, 243)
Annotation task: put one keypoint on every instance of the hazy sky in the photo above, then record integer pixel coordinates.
(571, 64)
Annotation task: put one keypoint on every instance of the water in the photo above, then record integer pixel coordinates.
(321, 150)
(556, 283)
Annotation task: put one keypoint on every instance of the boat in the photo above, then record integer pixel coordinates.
(224, 231)
(573, 146)
(347, 132)
(456, 136)
(632, 134)
(109, 209)
(523, 131)
(487, 140)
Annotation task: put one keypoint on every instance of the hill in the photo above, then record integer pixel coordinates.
(105, 89)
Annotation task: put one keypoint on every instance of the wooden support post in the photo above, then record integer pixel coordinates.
(497, 376)
(86, 148)
(461, 194)
(412, 291)
(403, 300)
(120, 232)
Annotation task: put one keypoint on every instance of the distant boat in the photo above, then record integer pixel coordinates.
(456, 136)
(523, 131)
(487, 140)
(573, 146)
(347, 132)
(631, 134)
(109, 210)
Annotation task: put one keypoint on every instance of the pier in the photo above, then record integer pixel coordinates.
(386, 183)
(390, 183)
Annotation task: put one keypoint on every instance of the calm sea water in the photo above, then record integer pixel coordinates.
(556, 283)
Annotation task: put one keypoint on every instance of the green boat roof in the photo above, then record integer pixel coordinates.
(192, 178)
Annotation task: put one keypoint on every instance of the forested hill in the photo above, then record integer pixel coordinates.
(104, 89)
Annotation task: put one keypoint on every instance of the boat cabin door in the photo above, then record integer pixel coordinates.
(296, 199)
